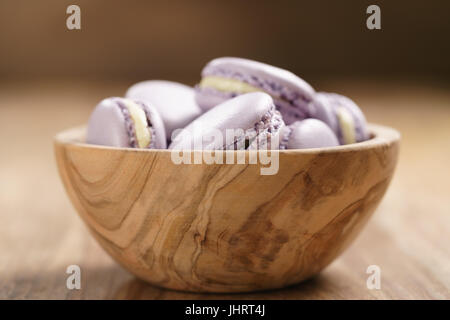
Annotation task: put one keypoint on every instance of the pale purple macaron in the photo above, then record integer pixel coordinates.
(225, 78)
(126, 123)
(174, 101)
(342, 115)
(249, 121)
(308, 133)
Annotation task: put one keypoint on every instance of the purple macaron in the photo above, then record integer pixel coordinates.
(249, 121)
(308, 133)
(342, 115)
(126, 123)
(225, 78)
(174, 101)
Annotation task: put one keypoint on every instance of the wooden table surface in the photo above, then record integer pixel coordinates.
(41, 234)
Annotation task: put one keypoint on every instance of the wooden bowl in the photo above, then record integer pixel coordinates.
(226, 227)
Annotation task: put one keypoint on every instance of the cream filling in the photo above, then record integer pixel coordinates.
(347, 125)
(139, 118)
(227, 85)
(232, 85)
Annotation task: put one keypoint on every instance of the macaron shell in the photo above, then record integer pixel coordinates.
(261, 70)
(107, 126)
(242, 112)
(324, 107)
(290, 113)
(175, 102)
(311, 133)
(281, 84)
(359, 119)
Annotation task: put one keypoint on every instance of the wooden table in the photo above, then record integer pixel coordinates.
(41, 234)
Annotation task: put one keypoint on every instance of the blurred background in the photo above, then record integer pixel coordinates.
(51, 78)
(159, 39)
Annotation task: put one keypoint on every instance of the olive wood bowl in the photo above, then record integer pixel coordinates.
(226, 227)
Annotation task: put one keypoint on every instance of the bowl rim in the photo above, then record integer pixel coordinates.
(380, 136)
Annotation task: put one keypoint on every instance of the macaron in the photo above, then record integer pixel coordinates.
(225, 78)
(342, 115)
(308, 133)
(126, 123)
(174, 101)
(248, 121)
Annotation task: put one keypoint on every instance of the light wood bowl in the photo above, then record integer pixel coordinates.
(226, 228)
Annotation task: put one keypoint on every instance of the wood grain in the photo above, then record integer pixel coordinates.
(41, 234)
(225, 227)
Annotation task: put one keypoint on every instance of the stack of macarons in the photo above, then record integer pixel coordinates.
(264, 107)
